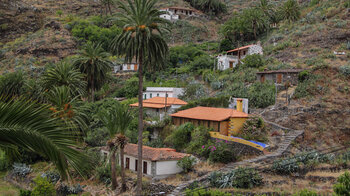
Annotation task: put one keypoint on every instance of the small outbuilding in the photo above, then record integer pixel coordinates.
(156, 162)
(279, 77)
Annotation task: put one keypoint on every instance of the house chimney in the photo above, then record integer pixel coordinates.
(240, 105)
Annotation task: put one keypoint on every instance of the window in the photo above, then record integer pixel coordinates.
(150, 95)
(145, 167)
(157, 94)
(127, 164)
(135, 165)
(145, 96)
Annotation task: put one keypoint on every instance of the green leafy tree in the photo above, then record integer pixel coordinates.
(65, 74)
(258, 20)
(93, 62)
(31, 126)
(186, 163)
(212, 6)
(290, 11)
(141, 39)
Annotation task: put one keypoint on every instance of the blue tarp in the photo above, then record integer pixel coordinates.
(258, 143)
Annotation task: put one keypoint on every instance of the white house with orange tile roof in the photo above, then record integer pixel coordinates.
(162, 92)
(156, 162)
(232, 57)
(160, 106)
(176, 13)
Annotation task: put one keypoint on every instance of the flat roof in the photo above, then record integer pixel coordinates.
(154, 154)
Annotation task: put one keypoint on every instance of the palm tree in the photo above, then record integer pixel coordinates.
(117, 121)
(142, 39)
(26, 124)
(64, 106)
(290, 10)
(107, 4)
(258, 20)
(65, 74)
(93, 62)
(120, 117)
(11, 84)
(212, 6)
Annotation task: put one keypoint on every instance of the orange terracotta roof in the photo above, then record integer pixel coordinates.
(154, 154)
(210, 113)
(241, 48)
(151, 105)
(159, 102)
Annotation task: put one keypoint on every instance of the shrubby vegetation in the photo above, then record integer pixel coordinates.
(93, 30)
(43, 187)
(245, 178)
(205, 192)
(186, 163)
(342, 187)
(308, 86)
(211, 7)
(254, 129)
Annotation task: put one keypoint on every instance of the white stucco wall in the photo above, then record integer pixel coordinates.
(167, 167)
(161, 91)
(132, 165)
(130, 67)
(224, 61)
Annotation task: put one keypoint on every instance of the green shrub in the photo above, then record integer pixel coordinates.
(347, 4)
(220, 153)
(96, 137)
(181, 136)
(253, 61)
(186, 163)
(204, 192)
(306, 192)
(59, 13)
(199, 137)
(304, 75)
(193, 90)
(345, 70)
(203, 61)
(308, 87)
(254, 129)
(261, 95)
(286, 166)
(43, 187)
(103, 173)
(246, 178)
(25, 192)
(342, 187)
(4, 162)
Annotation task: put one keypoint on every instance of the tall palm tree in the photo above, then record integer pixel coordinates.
(93, 62)
(108, 119)
(117, 120)
(290, 10)
(26, 124)
(142, 39)
(124, 116)
(65, 74)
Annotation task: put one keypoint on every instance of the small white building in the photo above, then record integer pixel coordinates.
(233, 57)
(162, 92)
(176, 13)
(161, 106)
(156, 162)
(125, 67)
